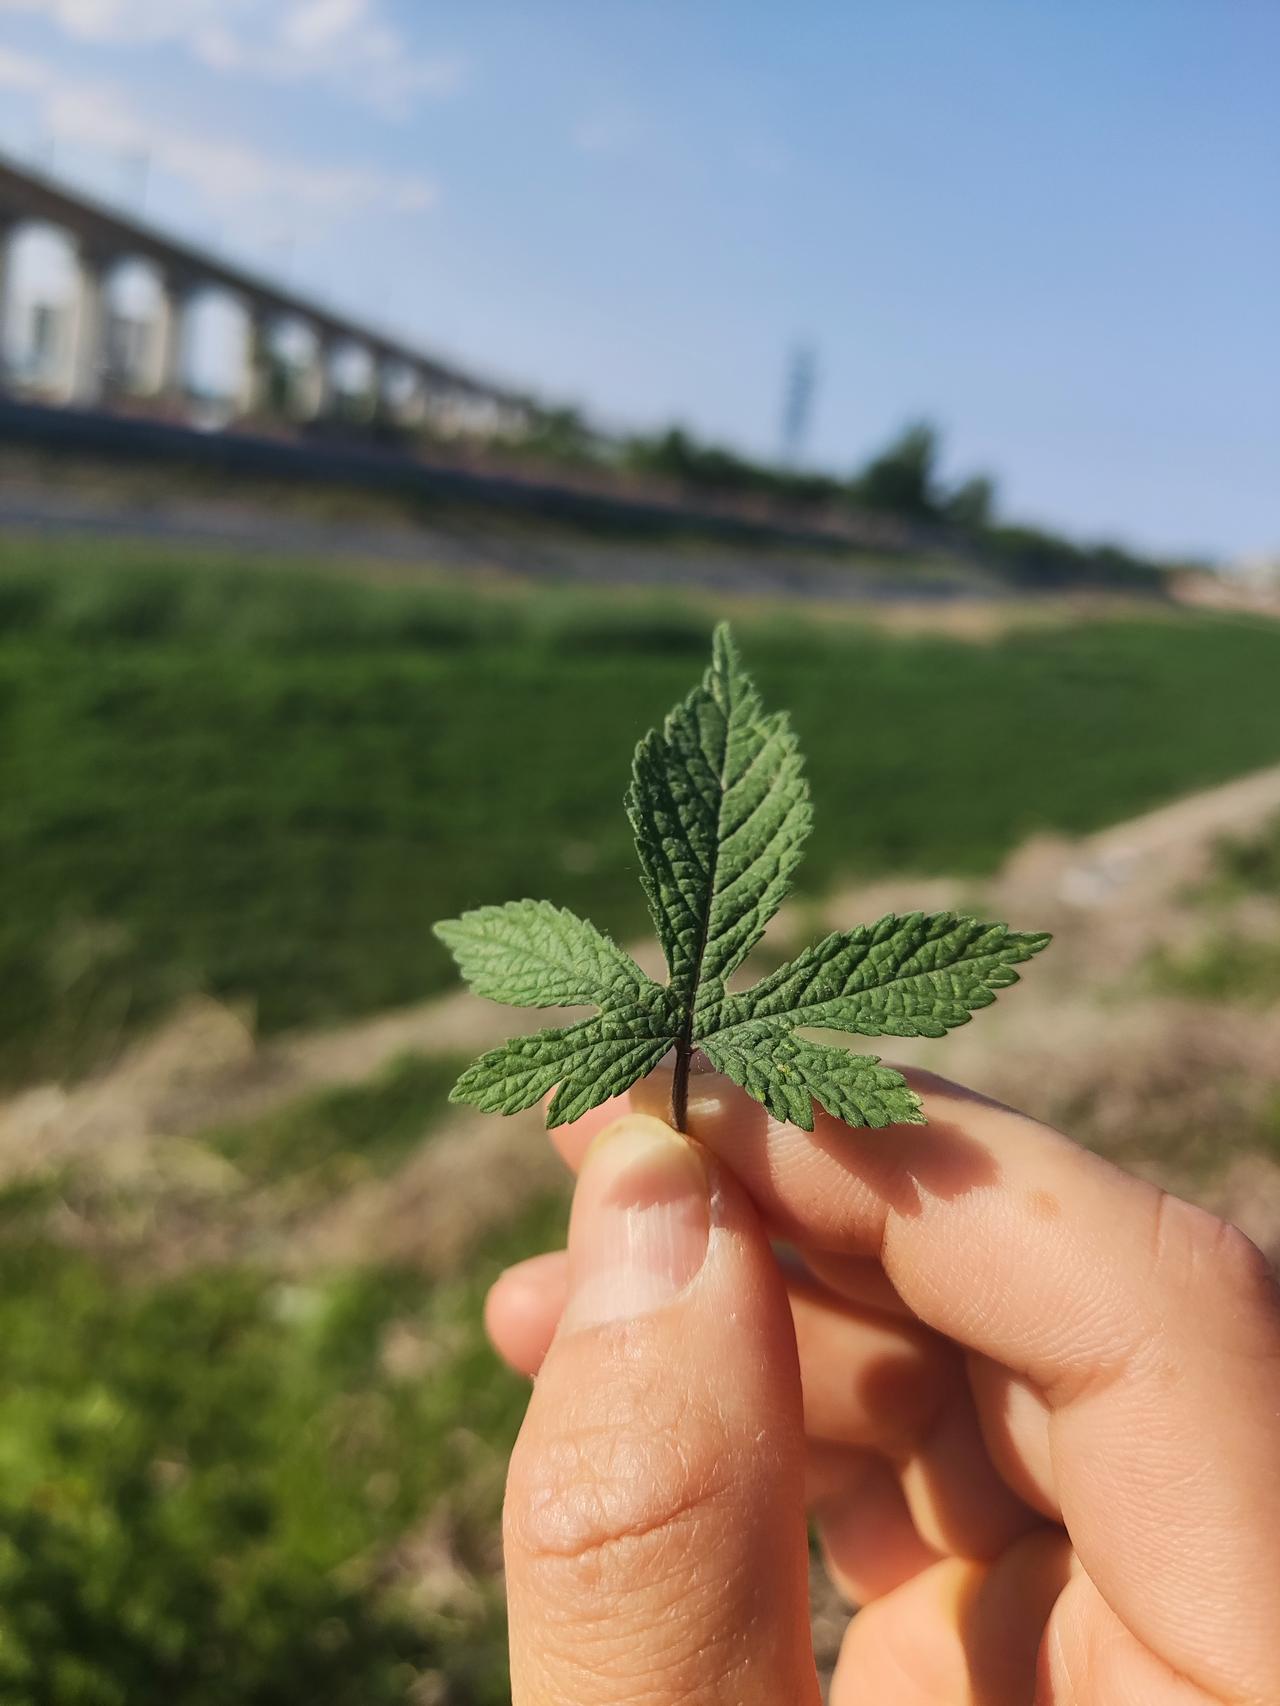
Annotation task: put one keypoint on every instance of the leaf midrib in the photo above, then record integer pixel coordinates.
(704, 932)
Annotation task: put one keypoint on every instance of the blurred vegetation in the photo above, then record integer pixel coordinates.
(206, 1480)
(249, 1486)
(675, 455)
(902, 481)
(972, 505)
(267, 785)
(1228, 966)
(1233, 960)
(343, 1136)
(1249, 866)
(903, 478)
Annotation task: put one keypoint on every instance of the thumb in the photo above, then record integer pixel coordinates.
(655, 1533)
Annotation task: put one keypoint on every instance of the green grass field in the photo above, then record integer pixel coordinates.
(266, 785)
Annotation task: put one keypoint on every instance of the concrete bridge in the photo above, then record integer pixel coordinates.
(92, 364)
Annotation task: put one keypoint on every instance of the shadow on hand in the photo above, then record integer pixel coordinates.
(904, 1163)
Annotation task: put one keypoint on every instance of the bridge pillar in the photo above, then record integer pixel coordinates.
(254, 390)
(166, 378)
(87, 347)
(8, 229)
(381, 406)
(413, 411)
(382, 371)
(318, 391)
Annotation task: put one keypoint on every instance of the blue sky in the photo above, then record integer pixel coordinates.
(1051, 227)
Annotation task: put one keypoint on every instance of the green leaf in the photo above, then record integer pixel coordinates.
(720, 810)
(789, 1074)
(917, 975)
(529, 953)
(590, 1061)
(532, 954)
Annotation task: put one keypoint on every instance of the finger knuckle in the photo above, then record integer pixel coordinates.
(1207, 1264)
(618, 1479)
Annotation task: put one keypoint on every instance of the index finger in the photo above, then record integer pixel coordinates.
(1150, 1329)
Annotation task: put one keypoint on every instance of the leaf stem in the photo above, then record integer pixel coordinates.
(680, 1085)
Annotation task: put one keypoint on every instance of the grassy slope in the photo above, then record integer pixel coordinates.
(268, 787)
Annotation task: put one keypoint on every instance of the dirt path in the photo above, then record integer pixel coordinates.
(1061, 1046)
(1136, 868)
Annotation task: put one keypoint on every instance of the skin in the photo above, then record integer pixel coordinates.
(1031, 1403)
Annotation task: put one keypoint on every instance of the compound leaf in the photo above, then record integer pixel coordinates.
(720, 810)
(530, 953)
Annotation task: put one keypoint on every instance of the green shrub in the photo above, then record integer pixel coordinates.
(1225, 967)
(203, 1483)
(1251, 864)
(25, 601)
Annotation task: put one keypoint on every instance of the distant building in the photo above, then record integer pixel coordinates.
(1256, 573)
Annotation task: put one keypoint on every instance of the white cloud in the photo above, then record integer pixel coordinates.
(225, 174)
(106, 20)
(349, 44)
(317, 24)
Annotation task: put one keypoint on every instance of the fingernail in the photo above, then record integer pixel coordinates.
(640, 1226)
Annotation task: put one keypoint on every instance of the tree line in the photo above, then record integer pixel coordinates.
(902, 481)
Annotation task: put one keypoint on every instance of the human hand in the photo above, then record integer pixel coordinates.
(1035, 1412)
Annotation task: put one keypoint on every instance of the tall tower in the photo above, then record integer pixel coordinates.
(797, 402)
